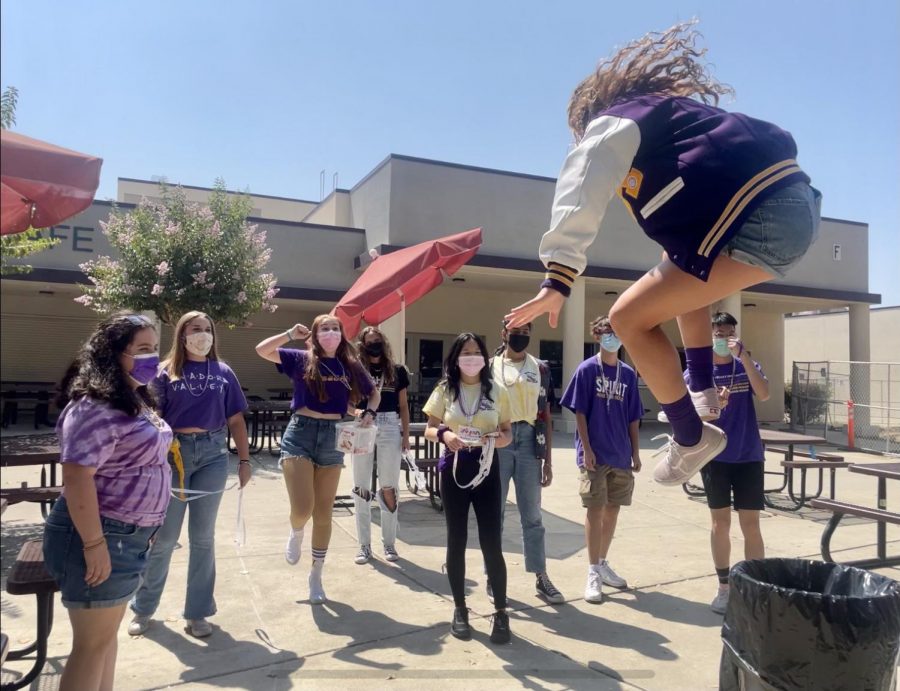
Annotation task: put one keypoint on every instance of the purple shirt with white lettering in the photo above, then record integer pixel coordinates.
(336, 376)
(610, 404)
(130, 455)
(206, 395)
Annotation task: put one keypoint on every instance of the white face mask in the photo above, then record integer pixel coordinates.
(199, 343)
(471, 364)
(329, 340)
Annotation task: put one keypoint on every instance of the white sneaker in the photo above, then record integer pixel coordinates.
(316, 591)
(593, 591)
(706, 403)
(390, 553)
(139, 625)
(292, 549)
(198, 628)
(610, 577)
(720, 602)
(364, 554)
(682, 462)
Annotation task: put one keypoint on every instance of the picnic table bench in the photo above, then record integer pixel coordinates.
(32, 450)
(28, 576)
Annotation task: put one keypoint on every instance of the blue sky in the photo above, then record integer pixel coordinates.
(267, 94)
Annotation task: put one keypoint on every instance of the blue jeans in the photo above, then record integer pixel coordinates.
(312, 438)
(205, 468)
(519, 463)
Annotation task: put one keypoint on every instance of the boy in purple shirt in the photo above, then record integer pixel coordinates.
(739, 468)
(604, 396)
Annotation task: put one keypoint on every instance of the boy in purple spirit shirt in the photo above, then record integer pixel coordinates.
(116, 481)
(199, 396)
(604, 396)
(739, 468)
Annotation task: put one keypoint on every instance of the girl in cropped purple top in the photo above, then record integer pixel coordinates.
(113, 452)
(199, 396)
(327, 379)
(720, 192)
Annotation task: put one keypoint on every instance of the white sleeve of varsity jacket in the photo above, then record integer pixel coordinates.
(592, 173)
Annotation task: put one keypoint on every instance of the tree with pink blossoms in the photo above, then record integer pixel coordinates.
(176, 256)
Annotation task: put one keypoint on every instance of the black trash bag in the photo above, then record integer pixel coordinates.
(797, 624)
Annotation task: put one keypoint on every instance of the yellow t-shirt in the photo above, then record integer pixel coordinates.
(522, 381)
(490, 413)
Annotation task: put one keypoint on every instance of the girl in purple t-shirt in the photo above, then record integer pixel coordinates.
(327, 378)
(113, 453)
(199, 396)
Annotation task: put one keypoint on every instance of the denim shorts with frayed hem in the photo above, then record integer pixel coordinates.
(779, 231)
(129, 547)
(312, 438)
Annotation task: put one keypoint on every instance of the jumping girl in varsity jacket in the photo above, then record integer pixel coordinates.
(721, 192)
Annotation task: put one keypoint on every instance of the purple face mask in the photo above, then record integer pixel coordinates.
(145, 367)
(470, 365)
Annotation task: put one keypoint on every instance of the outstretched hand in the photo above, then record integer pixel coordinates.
(547, 301)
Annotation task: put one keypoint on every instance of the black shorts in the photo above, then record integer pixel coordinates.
(745, 479)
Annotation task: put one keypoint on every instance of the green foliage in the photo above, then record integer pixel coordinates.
(8, 101)
(178, 256)
(809, 405)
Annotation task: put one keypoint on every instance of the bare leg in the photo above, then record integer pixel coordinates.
(720, 537)
(610, 517)
(664, 293)
(109, 667)
(93, 643)
(593, 523)
(695, 328)
(754, 548)
(298, 477)
(325, 482)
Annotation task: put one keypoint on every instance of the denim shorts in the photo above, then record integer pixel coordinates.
(779, 231)
(312, 438)
(129, 547)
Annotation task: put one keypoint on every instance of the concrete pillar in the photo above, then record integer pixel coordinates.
(860, 374)
(573, 333)
(394, 330)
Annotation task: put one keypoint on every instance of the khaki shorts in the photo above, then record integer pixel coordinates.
(605, 485)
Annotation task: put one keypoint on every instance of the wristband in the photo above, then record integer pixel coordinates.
(369, 411)
(442, 430)
(560, 278)
(289, 334)
(244, 460)
(95, 543)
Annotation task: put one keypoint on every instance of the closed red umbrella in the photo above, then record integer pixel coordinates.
(400, 278)
(42, 184)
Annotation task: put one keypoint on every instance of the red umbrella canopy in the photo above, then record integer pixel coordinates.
(403, 276)
(42, 184)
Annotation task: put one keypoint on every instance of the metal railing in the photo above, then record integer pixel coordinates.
(854, 404)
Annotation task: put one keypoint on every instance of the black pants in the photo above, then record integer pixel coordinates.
(485, 498)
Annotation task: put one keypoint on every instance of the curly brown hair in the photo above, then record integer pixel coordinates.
(666, 63)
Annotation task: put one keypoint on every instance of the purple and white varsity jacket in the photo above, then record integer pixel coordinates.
(689, 173)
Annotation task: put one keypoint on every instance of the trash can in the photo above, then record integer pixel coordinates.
(798, 624)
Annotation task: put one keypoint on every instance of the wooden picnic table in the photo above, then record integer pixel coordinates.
(884, 472)
(262, 414)
(32, 450)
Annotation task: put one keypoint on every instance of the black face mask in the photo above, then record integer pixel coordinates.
(374, 349)
(518, 342)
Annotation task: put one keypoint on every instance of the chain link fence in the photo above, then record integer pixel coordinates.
(854, 404)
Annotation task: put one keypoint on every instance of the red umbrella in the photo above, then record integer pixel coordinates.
(42, 184)
(400, 278)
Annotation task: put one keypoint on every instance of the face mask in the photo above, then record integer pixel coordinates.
(145, 367)
(518, 342)
(470, 365)
(329, 340)
(610, 343)
(374, 349)
(720, 347)
(199, 343)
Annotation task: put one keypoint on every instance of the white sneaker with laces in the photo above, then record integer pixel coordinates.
(364, 554)
(316, 590)
(593, 591)
(139, 625)
(390, 553)
(683, 462)
(706, 403)
(610, 577)
(292, 549)
(720, 603)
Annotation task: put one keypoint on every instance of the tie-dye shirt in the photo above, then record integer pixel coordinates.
(130, 455)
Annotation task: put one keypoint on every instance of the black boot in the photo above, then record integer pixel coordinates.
(460, 626)
(500, 630)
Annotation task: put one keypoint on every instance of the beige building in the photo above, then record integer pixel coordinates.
(320, 248)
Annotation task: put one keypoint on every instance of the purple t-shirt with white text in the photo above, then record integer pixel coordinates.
(337, 378)
(129, 454)
(206, 395)
(588, 393)
(738, 418)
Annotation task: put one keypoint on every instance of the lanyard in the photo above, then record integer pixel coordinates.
(484, 465)
(518, 370)
(733, 370)
(198, 493)
(615, 386)
(463, 404)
